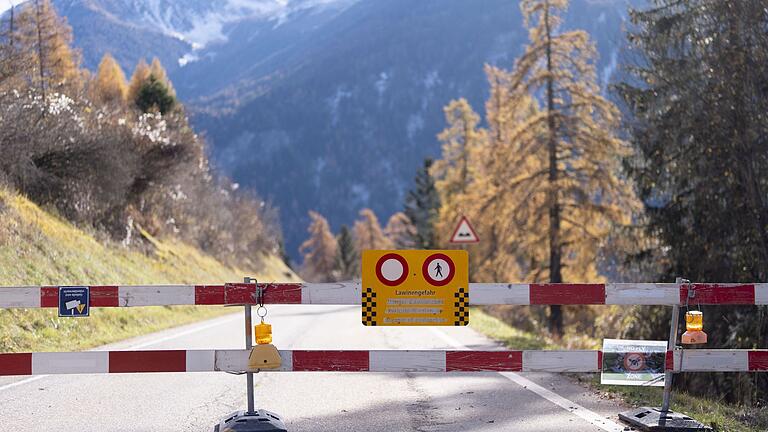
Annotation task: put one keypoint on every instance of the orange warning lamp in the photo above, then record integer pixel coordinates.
(263, 332)
(694, 328)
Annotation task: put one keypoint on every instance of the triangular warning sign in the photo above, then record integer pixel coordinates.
(464, 233)
(80, 308)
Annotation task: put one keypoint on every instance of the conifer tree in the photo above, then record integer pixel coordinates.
(108, 86)
(153, 94)
(571, 191)
(158, 71)
(140, 75)
(368, 233)
(319, 250)
(422, 207)
(47, 40)
(698, 99)
(501, 254)
(459, 166)
(399, 231)
(347, 259)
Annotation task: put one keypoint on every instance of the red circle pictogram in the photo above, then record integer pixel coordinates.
(634, 362)
(394, 274)
(447, 277)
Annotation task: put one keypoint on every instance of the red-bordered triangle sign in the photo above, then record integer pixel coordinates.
(464, 233)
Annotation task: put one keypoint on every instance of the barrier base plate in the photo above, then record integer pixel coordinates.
(653, 419)
(258, 421)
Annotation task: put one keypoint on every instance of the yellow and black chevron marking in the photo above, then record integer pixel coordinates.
(462, 307)
(369, 307)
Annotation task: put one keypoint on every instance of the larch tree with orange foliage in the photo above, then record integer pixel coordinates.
(319, 250)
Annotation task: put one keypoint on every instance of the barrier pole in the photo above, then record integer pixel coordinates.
(669, 373)
(249, 346)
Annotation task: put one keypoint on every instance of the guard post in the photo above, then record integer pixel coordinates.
(251, 420)
(664, 419)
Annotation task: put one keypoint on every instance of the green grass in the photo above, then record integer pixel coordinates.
(720, 416)
(38, 248)
(511, 337)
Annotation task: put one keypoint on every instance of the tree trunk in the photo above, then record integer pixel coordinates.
(10, 28)
(555, 274)
(40, 56)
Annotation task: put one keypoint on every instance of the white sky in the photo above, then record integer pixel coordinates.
(6, 4)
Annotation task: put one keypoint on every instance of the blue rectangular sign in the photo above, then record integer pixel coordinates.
(74, 301)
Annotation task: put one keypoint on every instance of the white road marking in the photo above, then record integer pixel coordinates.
(568, 405)
(22, 382)
(218, 322)
(195, 329)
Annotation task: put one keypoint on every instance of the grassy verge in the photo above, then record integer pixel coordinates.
(721, 416)
(37, 248)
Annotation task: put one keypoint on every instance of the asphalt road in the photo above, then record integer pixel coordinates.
(307, 401)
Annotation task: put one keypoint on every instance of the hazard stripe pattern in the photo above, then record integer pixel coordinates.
(368, 307)
(461, 306)
(97, 362)
(350, 294)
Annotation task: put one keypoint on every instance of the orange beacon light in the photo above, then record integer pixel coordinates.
(694, 328)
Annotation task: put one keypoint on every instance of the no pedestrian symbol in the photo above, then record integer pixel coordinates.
(415, 288)
(74, 301)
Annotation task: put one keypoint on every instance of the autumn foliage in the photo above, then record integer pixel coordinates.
(120, 157)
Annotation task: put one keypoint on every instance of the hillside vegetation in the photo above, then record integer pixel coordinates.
(39, 248)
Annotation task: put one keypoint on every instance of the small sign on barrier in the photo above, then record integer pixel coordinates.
(74, 301)
(415, 288)
(633, 362)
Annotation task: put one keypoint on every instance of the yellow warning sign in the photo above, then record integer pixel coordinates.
(415, 288)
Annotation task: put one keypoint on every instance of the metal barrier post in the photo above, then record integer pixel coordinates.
(249, 346)
(663, 419)
(251, 420)
(673, 328)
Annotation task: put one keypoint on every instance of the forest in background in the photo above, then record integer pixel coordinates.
(113, 154)
(562, 187)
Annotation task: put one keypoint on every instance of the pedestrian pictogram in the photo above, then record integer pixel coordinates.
(74, 301)
(415, 287)
(438, 269)
(464, 233)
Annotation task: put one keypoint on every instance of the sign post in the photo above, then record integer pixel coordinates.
(415, 288)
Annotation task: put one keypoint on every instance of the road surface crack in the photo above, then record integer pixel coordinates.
(424, 415)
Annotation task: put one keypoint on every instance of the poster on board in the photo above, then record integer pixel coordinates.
(633, 362)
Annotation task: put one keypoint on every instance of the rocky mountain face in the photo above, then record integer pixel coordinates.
(327, 105)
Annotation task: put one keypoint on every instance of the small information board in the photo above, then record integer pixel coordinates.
(633, 362)
(74, 301)
(415, 288)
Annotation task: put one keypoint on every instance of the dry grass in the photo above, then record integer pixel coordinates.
(38, 248)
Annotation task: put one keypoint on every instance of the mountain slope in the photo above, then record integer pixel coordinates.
(37, 248)
(325, 104)
(343, 120)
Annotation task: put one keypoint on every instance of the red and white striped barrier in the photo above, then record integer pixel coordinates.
(100, 362)
(350, 294)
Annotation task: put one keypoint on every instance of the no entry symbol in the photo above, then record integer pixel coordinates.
(392, 269)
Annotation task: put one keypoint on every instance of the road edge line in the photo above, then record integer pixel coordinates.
(592, 417)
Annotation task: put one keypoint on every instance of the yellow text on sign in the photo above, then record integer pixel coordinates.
(415, 288)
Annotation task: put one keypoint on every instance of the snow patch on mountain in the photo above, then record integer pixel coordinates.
(203, 22)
